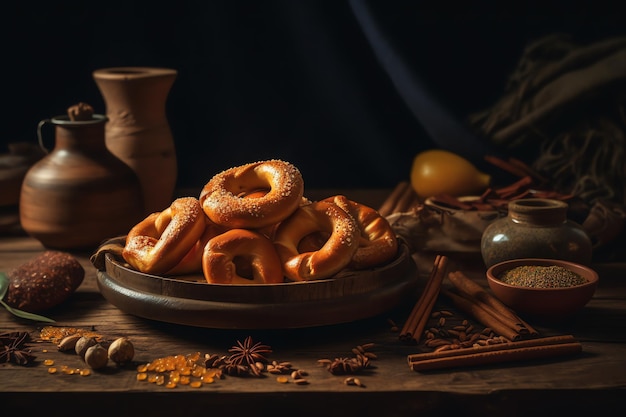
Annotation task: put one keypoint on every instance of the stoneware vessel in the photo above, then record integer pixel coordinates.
(13, 168)
(79, 194)
(544, 304)
(138, 131)
(535, 228)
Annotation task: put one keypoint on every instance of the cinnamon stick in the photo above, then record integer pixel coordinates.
(392, 200)
(418, 317)
(541, 341)
(529, 171)
(407, 200)
(452, 202)
(420, 305)
(465, 285)
(500, 325)
(517, 187)
(415, 201)
(506, 166)
(489, 354)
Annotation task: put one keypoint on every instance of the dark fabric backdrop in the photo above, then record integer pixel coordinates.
(348, 91)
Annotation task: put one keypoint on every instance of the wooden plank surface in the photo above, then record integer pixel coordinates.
(580, 383)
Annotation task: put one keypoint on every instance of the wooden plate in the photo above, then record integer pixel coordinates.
(192, 301)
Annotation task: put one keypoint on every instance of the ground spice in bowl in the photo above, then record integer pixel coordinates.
(536, 276)
(549, 290)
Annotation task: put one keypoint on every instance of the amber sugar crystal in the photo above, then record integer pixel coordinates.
(171, 371)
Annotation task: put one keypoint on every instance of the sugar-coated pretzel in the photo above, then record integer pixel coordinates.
(334, 255)
(241, 256)
(192, 261)
(254, 195)
(378, 243)
(160, 241)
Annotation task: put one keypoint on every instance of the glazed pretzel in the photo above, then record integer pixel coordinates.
(378, 243)
(241, 256)
(332, 256)
(254, 195)
(160, 241)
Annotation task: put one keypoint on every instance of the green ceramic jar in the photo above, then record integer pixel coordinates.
(535, 228)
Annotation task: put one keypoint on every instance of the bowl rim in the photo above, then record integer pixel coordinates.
(591, 275)
(431, 202)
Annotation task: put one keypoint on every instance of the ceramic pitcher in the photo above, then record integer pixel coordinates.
(138, 131)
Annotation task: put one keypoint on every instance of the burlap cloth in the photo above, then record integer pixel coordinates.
(563, 112)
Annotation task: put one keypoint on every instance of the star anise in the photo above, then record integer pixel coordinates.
(249, 353)
(215, 361)
(345, 365)
(236, 370)
(350, 365)
(13, 348)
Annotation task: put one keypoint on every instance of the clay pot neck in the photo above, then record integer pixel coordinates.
(538, 211)
(134, 73)
(85, 136)
(135, 94)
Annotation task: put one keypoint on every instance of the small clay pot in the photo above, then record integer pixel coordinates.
(79, 194)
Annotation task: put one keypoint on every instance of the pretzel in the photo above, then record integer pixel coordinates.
(253, 196)
(160, 241)
(241, 256)
(192, 261)
(334, 255)
(378, 243)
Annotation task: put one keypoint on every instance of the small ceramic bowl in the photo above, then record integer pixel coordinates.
(547, 304)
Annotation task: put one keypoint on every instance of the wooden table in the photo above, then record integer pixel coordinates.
(592, 380)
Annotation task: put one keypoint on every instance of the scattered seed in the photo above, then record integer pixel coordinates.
(353, 381)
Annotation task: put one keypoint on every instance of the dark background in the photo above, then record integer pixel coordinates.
(295, 80)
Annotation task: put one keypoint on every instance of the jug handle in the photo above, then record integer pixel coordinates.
(39, 135)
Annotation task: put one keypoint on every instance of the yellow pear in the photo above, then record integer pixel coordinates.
(438, 171)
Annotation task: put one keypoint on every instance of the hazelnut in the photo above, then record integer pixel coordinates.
(68, 342)
(84, 343)
(121, 351)
(96, 357)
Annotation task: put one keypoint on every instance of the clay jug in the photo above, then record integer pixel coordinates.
(138, 131)
(79, 194)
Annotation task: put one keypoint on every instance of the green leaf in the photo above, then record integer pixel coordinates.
(4, 286)
(26, 315)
